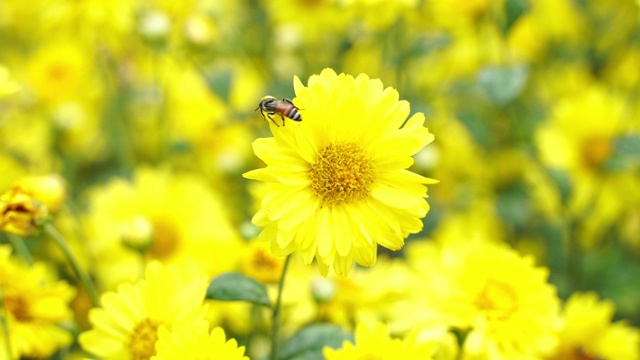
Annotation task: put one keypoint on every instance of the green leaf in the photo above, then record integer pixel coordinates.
(513, 10)
(626, 154)
(514, 205)
(220, 83)
(238, 287)
(426, 44)
(503, 84)
(307, 344)
(562, 181)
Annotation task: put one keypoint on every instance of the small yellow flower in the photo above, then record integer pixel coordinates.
(35, 304)
(128, 324)
(20, 212)
(588, 333)
(337, 184)
(259, 263)
(373, 341)
(194, 341)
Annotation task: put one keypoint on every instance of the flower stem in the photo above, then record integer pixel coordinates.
(5, 327)
(21, 249)
(81, 274)
(275, 321)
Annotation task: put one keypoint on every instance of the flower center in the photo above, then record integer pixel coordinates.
(166, 241)
(17, 306)
(596, 150)
(343, 173)
(143, 341)
(497, 299)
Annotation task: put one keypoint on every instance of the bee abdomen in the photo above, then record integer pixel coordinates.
(294, 114)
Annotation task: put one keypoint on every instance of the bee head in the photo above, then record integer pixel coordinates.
(267, 103)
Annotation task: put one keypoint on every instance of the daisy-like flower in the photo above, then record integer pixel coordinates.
(128, 324)
(194, 341)
(35, 305)
(373, 341)
(587, 332)
(499, 298)
(337, 181)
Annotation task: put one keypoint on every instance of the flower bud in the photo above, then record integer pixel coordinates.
(20, 213)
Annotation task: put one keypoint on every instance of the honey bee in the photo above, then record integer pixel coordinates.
(272, 106)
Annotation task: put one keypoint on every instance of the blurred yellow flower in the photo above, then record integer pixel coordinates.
(59, 72)
(128, 324)
(7, 84)
(194, 341)
(49, 190)
(379, 14)
(20, 212)
(36, 305)
(578, 137)
(373, 341)
(309, 20)
(168, 217)
(587, 332)
(258, 262)
(367, 294)
(337, 181)
(499, 298)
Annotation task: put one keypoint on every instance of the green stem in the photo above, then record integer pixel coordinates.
(5, 327)
(275, 321)
(21, 249)
(75, 265)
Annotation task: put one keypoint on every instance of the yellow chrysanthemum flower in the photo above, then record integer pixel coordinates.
(128, 324)
(35, 305)
(373, 341)
(187, 225)
(499, 298)
(59, 72)
(588, 333)
(194, 341)
(337, 181)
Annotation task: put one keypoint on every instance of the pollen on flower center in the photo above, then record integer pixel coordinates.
(343, 173)
(143, 341)
(497, 299)
(18, 307)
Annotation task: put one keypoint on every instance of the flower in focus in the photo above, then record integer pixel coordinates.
(196, 342)
(337, 182)
(35, 304)
(588, 333)
(128, 323)
(499, 298)
(7, 85)
(373, 341)
(20, 212)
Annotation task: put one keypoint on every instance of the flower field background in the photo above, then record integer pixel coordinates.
(127, 229)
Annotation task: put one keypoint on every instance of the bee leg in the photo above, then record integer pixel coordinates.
(282, 119)
(273, 121)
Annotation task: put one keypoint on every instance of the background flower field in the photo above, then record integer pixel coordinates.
(133, 122)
